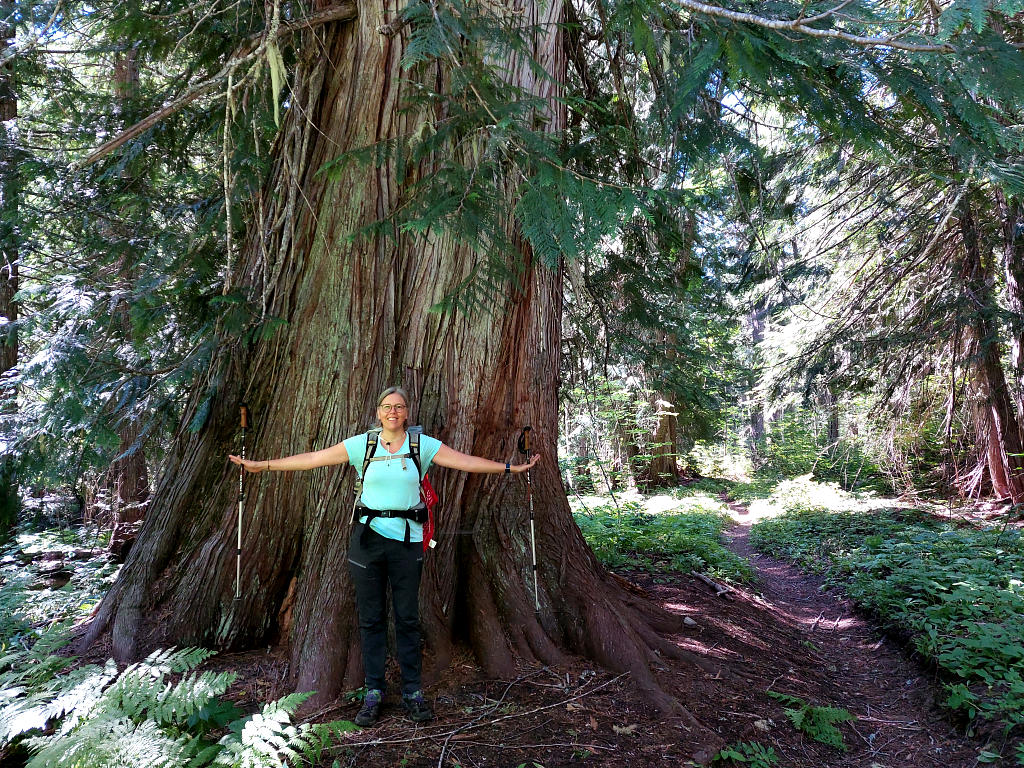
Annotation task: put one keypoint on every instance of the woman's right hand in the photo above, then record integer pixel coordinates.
(250, 466)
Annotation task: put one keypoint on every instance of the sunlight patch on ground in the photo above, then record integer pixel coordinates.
(653, 505)
(755, 501)
(803, 492)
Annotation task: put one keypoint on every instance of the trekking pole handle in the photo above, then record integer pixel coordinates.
(244, 415)
(524, 440)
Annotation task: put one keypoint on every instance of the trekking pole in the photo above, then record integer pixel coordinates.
(524, 447)
(244, 415)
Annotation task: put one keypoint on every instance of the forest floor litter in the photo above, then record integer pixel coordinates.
(784, 634)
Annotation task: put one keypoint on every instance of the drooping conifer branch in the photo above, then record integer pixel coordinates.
(254, 47)
(803, 26)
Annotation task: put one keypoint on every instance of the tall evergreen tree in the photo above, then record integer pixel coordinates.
(357, 317)
(438, 156)
(9, 228)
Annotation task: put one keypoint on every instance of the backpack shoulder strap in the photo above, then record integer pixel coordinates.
(414, 452)
(371, 448)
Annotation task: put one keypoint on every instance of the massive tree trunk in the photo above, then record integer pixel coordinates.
(9, 184)
(358, 320)
(1004, 448)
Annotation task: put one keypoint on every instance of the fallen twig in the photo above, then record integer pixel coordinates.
(721, 590)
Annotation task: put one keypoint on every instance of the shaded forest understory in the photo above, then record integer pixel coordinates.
(784, 646)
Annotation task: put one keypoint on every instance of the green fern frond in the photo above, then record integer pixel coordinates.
(141, 693)
(268, 737)
(817, 722)
(112, 742)
(79, 695)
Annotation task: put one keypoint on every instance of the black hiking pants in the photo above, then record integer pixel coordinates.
(374, 565)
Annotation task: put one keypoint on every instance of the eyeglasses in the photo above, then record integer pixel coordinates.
(388, 408)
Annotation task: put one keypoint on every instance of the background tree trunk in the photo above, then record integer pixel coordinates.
(9, 194)
(756, 321)
(127, 479)
(1005, 448)
(358, 321)
(664, 469)
(1011, 214)
(831, 405)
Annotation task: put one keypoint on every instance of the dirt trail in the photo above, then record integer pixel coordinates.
(854, 667)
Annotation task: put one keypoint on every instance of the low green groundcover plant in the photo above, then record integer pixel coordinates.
(681, 541)
(957, 592)
(817, 722)
(157, 713)
(750, 754)
(160, 712)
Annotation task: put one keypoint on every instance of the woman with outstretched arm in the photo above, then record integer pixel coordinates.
(381, 550)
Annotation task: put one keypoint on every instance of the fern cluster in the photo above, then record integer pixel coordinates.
(817, 722)
(159, 712)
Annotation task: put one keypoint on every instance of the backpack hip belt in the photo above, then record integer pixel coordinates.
(417, 514)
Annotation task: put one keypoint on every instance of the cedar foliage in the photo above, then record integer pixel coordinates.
(662, 187)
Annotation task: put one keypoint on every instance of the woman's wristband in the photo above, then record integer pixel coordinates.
(268, 466)
(508, 468)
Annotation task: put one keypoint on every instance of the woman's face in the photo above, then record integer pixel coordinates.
(393, 412)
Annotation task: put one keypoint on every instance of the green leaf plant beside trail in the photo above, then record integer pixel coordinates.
(952, 591)
(57, 711)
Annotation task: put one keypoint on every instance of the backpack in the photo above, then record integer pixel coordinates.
(428, 496)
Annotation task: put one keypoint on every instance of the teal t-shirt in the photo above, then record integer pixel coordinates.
(392, 483)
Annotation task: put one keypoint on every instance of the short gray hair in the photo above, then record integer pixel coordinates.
(392, 391)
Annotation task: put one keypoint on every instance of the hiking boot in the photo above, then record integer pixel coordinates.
(370, 711)
(416, 707)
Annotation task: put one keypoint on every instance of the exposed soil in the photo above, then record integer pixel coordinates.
(785, 634)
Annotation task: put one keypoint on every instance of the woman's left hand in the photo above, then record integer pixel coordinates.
(517, 468)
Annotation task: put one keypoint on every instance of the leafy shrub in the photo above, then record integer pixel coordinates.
(679, 541)
(22, 607)
(160, 712)
(758, 487)
(705, 486)
(959, 593)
